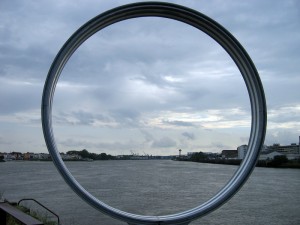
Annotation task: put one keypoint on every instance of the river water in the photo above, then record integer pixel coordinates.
(155, 187)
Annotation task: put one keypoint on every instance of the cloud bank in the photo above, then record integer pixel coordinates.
(146, 85)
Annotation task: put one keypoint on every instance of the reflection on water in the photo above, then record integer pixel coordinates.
(271, 196)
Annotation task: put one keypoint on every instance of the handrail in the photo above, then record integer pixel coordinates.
(8, 208)
(31, 199)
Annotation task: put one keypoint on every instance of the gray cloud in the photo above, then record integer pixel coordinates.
(282, 136)
(17, 95)
(220, 146)
(81, 118)
(148, 137)
(178, 123)
(164, 142)
(189, 135)
(108, 147)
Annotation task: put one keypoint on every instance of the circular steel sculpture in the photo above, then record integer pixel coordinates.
(220, 35)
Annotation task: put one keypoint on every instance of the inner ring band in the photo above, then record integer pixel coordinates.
(220, 35)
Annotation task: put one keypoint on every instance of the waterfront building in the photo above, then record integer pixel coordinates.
(17, 155)
(229, 154)
(293, 156)
(269, 152)
(269, 156)
(139, 157)
(8, 156)
(242, 150)
(191, 153)
(70, 156)
(42, 156)
(285, 149)
(28, 155)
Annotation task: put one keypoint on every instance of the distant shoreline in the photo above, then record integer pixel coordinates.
(291, 164)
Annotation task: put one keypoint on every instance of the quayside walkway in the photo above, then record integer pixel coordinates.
(8, 210)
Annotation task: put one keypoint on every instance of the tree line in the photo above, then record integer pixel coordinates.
(87, 155)
(279, 161)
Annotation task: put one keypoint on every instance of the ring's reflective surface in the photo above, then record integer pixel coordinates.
(215, 31)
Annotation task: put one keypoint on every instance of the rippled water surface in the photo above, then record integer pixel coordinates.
(155, 187)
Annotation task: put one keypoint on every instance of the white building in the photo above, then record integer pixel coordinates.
(269, 156)
(242, 150)
(285, 149)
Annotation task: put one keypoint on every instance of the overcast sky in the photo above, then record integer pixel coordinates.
(147, 85)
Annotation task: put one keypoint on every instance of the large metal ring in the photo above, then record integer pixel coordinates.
(220, 35)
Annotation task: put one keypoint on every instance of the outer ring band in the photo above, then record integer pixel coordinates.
(220, 35)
